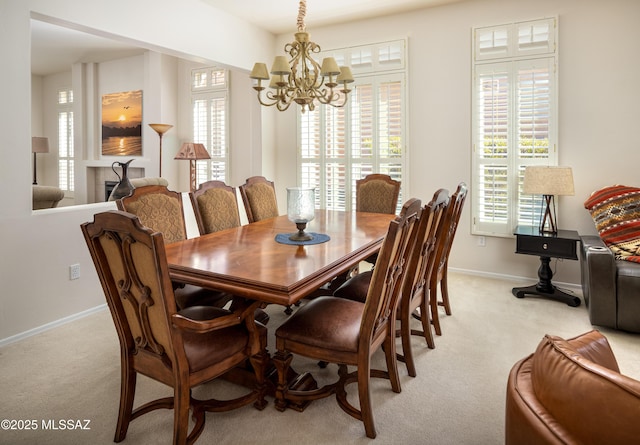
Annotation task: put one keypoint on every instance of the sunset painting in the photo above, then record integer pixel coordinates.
(122, 124)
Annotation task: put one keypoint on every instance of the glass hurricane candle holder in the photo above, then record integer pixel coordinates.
(301, 210)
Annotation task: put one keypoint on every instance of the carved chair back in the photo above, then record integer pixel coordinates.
(377, 193)
(259, 198)
(445, 238)
(386, 281)
(158, 208)
(215, 206)
(131, 263)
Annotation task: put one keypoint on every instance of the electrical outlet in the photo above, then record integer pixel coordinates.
(74, 271)
(482, 241)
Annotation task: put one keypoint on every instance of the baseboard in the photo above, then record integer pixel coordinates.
(573, 286)
(53, 324)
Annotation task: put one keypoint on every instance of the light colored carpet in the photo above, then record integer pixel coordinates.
(72, 372)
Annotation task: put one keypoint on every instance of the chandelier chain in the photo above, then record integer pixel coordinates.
(302, 12)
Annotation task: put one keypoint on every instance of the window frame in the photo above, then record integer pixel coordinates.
(497, 210)
(65, 141)
(375, 65)
(211, 85)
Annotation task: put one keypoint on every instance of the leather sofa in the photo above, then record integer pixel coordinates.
(610, 287)
(571, 392)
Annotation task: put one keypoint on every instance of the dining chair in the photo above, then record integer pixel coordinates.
(161, 209)
(181, 349)
(377, 193)
(415, 290)
(443, 248)
(259, 198)
(347, 332)
(215, 207)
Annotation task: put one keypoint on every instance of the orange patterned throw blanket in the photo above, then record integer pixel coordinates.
(616, 213)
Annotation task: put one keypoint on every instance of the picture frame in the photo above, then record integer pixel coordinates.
(122, 124)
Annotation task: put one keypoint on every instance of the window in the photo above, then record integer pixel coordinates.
(209, 94)
(341, 145)
(514, 121)
(65, 140)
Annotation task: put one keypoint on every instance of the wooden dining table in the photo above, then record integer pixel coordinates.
(248, 261)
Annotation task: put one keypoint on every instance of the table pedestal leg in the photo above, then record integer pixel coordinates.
(545, 288)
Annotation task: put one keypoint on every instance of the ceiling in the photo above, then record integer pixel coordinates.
(54, 48)
(279, 16)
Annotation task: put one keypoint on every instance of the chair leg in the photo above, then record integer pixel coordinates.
(433, 304)
(444, 290)
(364, 394)
(282, 361)
(127, 394)
(405, 335)
(181, 404)
(389, 348)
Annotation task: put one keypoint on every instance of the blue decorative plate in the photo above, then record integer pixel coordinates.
(318, 238)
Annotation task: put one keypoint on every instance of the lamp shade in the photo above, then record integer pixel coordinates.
(39, 145)
(547, 180)
(329, 67)
(161, 128)
(259, 72)
(345, 75)
(192, 151)
(280, 66)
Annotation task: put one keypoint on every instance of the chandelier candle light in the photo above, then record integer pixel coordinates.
(548, 182)
(301, 210)
(301, 79)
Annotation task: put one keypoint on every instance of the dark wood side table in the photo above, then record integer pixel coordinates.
(530, 241)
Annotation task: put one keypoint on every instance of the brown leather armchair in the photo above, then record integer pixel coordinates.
(571, 392)
(610, 287)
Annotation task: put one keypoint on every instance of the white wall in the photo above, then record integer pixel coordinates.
(599, 92)
(599, 95)
(36, 248)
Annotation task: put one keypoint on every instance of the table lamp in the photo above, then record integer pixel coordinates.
(192, 152)
(548, 181)
(38, 145)
(300, 210)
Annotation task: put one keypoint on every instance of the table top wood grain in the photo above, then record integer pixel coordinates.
(247, 261)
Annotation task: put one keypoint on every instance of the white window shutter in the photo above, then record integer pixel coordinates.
(514, 122)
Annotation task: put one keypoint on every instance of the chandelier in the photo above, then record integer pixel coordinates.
(301, 79)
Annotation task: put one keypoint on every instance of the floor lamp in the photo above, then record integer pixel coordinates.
(161, 129)
(192, 152)
(548, 182)
(38, 145)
